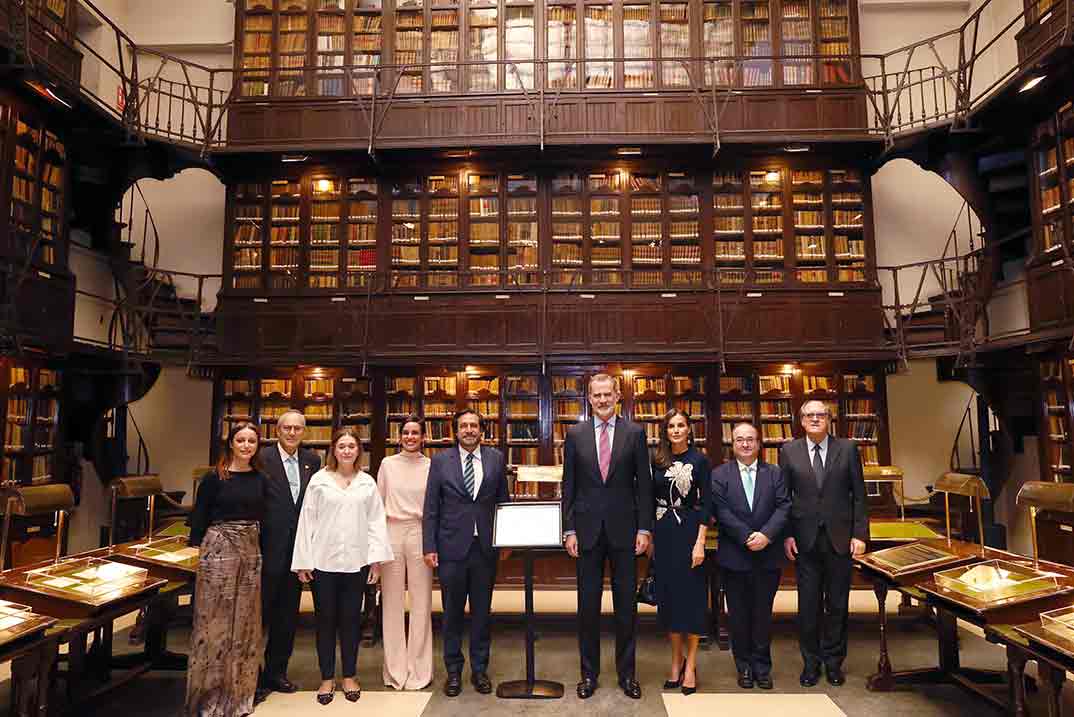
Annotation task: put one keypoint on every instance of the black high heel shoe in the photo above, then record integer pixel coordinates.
(688, 690)
(675, 684)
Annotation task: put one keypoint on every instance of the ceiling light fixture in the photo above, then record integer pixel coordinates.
(771, 176)
(628, 151)
(796, 148)
(1031, 83)
(294, 157)
(458, 154)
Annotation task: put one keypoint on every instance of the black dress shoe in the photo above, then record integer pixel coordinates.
(281, 684)
(481, 682)
(631, 688)
(809, 677)
(745, 679)
(586, 688)
(835, 676)
(686, 690)
(325, 697)
(764, 681)
(453, 685)
(261, 694)
(676, 684)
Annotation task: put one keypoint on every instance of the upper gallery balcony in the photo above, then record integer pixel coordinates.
(413, 73)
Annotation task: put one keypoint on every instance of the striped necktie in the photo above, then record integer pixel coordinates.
(468, 475)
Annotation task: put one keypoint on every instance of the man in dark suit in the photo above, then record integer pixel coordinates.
(287, 468)
(829, 524)
(751, 505)
(607, 515)
(465, 484)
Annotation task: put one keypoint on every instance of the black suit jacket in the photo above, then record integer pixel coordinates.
(450, 510)
(771, 507)
(281, 512)
(840, 502)
(623, 504)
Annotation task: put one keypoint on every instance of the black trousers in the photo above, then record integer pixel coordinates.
(471, 578)
(281, 593)
(823, 602)
(750, 595)
(337, 604)
(590, 573)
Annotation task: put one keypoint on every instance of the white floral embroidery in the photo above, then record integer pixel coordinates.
(681, 475)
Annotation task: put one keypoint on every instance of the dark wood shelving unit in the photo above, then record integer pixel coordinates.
(767, 224)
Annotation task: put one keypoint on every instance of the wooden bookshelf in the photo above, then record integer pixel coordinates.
(37, 176)
(767, 224)
(484, 241)
(1052, 209)
(1055, 438)
(653, 40)
(32, 400)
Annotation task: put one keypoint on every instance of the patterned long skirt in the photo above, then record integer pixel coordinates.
(226, 642)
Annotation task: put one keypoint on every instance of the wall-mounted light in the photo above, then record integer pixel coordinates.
(459, 154)
(1031, 83)
(294, 158)
(771, 176)
(796, 148)
(628, 151)
(322, 186)
(47, 93)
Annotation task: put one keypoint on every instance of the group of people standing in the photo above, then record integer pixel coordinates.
(269, 521)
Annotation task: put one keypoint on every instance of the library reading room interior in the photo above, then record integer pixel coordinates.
(224, 216)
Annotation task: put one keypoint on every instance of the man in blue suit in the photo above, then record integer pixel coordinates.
(465, 484)
(751, 505)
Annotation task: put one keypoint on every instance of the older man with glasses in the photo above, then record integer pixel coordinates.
(829, 524)
(288, 468)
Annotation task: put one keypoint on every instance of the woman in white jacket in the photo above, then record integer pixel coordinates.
(342, 538)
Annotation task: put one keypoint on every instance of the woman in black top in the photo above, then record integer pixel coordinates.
(681, 487)
(225, 526)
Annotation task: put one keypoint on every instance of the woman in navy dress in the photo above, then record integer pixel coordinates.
(681, 487)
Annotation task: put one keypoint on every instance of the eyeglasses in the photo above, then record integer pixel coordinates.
(745, 441)
(815, 416)
(292, 429)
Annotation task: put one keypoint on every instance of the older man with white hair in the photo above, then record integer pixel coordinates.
(829, 524)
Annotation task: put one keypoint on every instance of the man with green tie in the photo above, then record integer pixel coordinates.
(751, 505)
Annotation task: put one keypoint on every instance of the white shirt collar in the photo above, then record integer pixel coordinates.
(284, 455)
(813, 446)
(476, 453)
(611, 421)
(742, 466)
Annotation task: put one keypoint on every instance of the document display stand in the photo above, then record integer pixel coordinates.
(529, 528)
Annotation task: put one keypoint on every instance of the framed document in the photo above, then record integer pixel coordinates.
(530, 524)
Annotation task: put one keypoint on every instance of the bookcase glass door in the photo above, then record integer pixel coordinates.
(796, 40)
(520, 43)
(292, 30)
(684, 230)
(729, 227)
(835, 43)
(605, 228)
(766, 225)
(367, 45)
(325, 233)
(362, 213)
(811, 254)
(523, 246)
(599, 47)
(483, 31)
(31, 398)
(638, 43)
(484, 244)
(562, 43)
(675, 43)
(286, 231)
(247, 236)
(646, 230)
(38, 181)
(755, 24)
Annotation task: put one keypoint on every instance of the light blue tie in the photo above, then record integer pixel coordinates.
(747, 483)
(291, 466)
